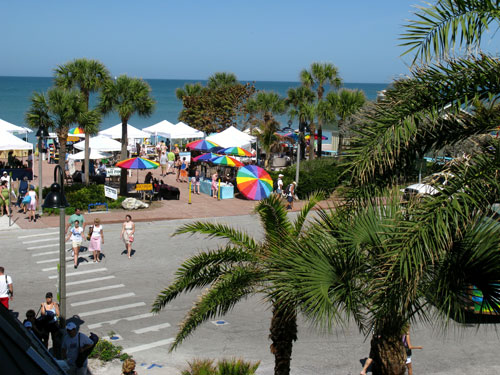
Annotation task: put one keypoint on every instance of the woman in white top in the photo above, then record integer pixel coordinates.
(96, 238)
(128, 230)
(32, 204)
(76, 238)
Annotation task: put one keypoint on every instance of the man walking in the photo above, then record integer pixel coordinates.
(77, 216)
(75, 342)
(171, 161)
(6, 288)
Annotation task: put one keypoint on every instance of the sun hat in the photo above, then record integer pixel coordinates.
(176, 145)
(280, 175)
(4, 172)
(28, 324)
(70, 326)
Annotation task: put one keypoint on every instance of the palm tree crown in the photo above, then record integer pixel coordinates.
(221, 79)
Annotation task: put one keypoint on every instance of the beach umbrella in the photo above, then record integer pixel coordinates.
(254, 182)
(307, 137)
(237, 151)
(227, 160)
(137, 163)
(206, 157)
(201, 145)
(216, 150)
(94, 155)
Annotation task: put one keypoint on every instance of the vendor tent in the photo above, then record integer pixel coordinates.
(115, 132)
(11, 128)
(9, 141)
(183, 131)
(100, 143)
(163, 129)
(94, 155)
(232, 137)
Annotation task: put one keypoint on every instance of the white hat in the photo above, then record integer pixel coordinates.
(4, 172)
(280, 175)
(70, 326)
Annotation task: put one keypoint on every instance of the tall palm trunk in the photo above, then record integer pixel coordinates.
(389, 356)
(341, 144)
(62, 151)
(86, 161)
(311, 141)
(123, 156)
(283, 334)
(320, 138)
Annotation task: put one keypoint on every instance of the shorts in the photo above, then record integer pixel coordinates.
(32, 205)
(289, 199)
(76, 243)
(95, 244)
(5, 301)
(170, 164)
(184, 173)
(163, 167)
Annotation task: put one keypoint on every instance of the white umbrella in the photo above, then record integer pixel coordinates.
(9, 141)
(100, 143)
(183, 130)
(11, 128)
(163, 129)
(115, 132)
(94, 154)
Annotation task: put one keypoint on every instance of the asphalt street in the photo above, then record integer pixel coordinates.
(115, 296)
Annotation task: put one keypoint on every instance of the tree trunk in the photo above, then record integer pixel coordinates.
(283, 334)
(123, 156)
(62, 151)
(341, 144)
(389, 356)
(86, 161)
(311, 141)
(320, 139)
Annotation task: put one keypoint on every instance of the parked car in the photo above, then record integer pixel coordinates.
(430, 185)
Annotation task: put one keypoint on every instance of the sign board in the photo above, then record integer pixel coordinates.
(143, 187)
(109, 192)
(186, 155)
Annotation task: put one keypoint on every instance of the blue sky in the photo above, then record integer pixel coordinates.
(191, 39)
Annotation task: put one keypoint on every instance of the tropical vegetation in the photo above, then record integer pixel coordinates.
(223, 367)
(237, 270)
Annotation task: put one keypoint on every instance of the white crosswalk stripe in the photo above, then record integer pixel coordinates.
(42, 240)
(155, 344)
(113, 322)
(111, 309)
(93, 290)
(103, 299)
(51, 260)
(85, 281)
(38, 235)
(155, 328)
(79, 273)
(45, 253)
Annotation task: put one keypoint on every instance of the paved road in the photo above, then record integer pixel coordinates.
(116, 295)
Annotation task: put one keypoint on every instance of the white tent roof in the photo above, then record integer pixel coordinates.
(232, 137)
(163, 129)
(9, 141)
(11, 128)
(94, 154)
(115, 132)
(100, 143)
(183, 130)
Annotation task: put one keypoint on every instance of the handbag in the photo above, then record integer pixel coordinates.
(91, 230)
(26, 200)
(131, 238)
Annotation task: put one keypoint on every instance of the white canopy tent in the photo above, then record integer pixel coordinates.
(9, 141)
(11, 128)
(100, 143)
(183, 130)
(94, 155)
(232, 137)
(163, 129)
(115, 132)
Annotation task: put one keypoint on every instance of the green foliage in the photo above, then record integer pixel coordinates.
(107, 351)
(80, 196)
(223, 367)
(314, 175)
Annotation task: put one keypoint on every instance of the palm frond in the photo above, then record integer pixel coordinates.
(273, 216)
(309, 204)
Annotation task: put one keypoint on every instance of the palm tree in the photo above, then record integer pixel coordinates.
(320, 75)
(58, 109)
(263, 107)
(297, 100)
(344, 104)
(438, 28)
(236, 271)
(221, 79)
(89, 76)
(188, 90)
(126, 96)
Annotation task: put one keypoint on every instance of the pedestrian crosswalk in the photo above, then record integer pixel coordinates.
(101, 298)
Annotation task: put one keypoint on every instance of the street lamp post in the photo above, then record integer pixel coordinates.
(56, 199)
(41, 134)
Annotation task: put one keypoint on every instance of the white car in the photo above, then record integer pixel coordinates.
(431, 185)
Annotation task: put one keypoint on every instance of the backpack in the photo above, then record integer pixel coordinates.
(82, 356)
(275, 185)
(287, 189)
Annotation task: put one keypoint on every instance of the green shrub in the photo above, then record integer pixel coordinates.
(318, 174)
(224, 367)
(80, 196)
(107, 351)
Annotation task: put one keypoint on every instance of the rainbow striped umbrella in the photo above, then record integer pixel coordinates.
(227, 160)
(237, 151)
(206, 157)
(201, 145)
(254, 182)
(137, 163)
(307, 137)
(76, 131)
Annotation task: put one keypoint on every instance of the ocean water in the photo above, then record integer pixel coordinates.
(15, 93)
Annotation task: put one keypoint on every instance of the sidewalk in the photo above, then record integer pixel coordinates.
(202, 205)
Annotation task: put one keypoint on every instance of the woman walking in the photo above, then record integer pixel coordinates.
(32, 204)
(128, 230)
(49, 311)
(4, 193)
(96, 238)
(76, 238)
(214, 185)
